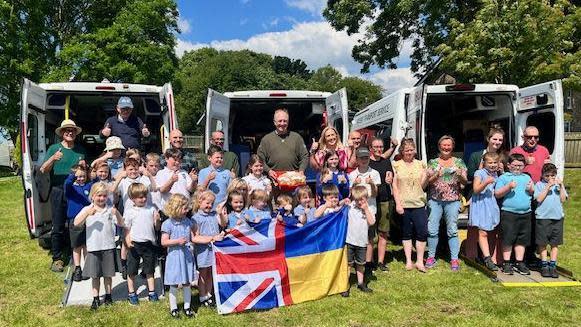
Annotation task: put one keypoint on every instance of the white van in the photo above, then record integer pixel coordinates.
(44, 106)
(246, 116)
(465, 111)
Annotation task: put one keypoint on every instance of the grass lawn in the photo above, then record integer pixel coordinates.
(30, 294)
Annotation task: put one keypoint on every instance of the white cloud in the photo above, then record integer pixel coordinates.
(317, 44)
(184, 25)
(314, 7)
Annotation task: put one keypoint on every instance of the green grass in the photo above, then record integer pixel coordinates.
(30, 294)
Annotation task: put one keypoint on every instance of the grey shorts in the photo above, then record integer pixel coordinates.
(356, 254)
(549, 231)
(100, 264)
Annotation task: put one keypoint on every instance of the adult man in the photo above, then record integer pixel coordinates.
(188, 159)
(230, 158)
(353, 142)
(283, 149)
(385, 203)
(60, 158)
(535, 154)
(126, 126)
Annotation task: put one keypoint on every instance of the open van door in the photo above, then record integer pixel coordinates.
(33, 147)
(168, 115)
(415, 119)
(541, 105)
(217, 117)
(338, 113)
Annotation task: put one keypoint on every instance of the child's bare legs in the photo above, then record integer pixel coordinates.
(542, 250)
(360, 271)
(407, 250)
(150, 282)
(483, 242)
(205, 283)
(107, 281)
(96, 286)
(519, 252)
(507, 252)
(369, 251)
(381, 247)
(77, 256)
(420, 249)
(554, 252)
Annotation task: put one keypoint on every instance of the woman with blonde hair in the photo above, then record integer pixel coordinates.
(330, 140)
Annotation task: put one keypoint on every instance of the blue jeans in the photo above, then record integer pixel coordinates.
(450, 211)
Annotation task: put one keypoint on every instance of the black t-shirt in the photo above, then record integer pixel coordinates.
(382, 166)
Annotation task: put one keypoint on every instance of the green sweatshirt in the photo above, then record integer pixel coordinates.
(283, 153)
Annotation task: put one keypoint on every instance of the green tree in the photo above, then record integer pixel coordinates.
(282, 65)
(386, 24)
(360, 92)
(517, 42)
(326, 79)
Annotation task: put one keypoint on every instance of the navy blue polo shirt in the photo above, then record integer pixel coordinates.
(128, 131)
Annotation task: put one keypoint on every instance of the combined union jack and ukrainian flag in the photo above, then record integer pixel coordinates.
(271, 265)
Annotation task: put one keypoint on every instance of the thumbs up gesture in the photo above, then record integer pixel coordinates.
(512, 184)
(314, 145)
(145, 131)
(58, 155)
(107, 130)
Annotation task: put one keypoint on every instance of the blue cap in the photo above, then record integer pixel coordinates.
(125, 102)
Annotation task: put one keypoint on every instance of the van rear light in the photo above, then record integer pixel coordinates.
(105, 88)
(461, 87)
(277, 94)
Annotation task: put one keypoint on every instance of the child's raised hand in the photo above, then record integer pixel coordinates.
(194, 175)
(530, 186)
(368, 180)
(92, 210)
(341, 179)
(212, 175)
(512, 184)
(144, 171)
(346, 201)
(558, 181)
(174, 177)
(121, 174)
(358, 180)
(326, 178)
(489, 180)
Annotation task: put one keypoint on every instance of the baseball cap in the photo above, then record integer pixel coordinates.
(362, 152)
(125, 102)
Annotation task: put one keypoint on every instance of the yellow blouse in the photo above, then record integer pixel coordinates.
(409, 183)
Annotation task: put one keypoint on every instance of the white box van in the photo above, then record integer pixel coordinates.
(44, 106)
(465, 111)
(246, 116)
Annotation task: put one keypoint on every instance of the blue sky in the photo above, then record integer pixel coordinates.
(292, 28)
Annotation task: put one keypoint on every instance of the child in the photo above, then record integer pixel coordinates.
(153, 164)
(77, 190)
(112, 156)
(360, 218)
(102, 173)
(284, 212)
(332, 203)
(367, 176)
(98, 221)
(214, 177)
(305, 208)
(516, 189)
(205, 230)
(484, 211)
(235, 207)
(133, 154)
(550, 194)
(141, 221)
(173, 179)
(330, 174)
(258, 207)
(176, 233)
(239, 185)
(256, 179)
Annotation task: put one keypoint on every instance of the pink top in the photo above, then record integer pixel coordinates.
(341, 153)
(534, 160)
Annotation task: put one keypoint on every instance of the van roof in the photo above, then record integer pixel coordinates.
(478, 88)
(278, 94)
(101, 87)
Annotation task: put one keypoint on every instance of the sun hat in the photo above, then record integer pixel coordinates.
(68, 123)
(125, 102)
(113, 143)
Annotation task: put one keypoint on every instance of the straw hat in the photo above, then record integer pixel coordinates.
(113, 143)
(68, 123)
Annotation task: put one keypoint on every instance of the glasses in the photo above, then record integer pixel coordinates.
(536, 137)
(377, 146)
(517, 165)
(69, 130)
(219, 140)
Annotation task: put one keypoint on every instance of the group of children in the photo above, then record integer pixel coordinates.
(515, 190)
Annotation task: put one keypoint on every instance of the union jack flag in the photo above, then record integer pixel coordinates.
(250, 270)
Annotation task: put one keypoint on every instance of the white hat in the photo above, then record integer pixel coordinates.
(113, 143)
(67, 123)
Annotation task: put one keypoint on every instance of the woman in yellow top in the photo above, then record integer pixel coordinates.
(409, 182)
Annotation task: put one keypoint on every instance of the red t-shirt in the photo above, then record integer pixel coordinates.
(534, 160)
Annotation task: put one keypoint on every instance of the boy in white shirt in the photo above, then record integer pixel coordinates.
(173, 179)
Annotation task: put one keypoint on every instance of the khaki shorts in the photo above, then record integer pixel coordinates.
(383, 217)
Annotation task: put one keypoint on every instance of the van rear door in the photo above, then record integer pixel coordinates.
(168, 115)
(217, 116)
(541, 105)
(33, 147)
(415, 118)
(338, 113)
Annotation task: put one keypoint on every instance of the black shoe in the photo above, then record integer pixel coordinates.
(363, 288)
(553, 271)
(522, 268)
(490, 265)
(78, 274)
(108, 299)
(96, 303)
(507, 268)
(383, 267)
(189, 313)
(124, 272)
(345, 294)
(175, 313)
(546, 271)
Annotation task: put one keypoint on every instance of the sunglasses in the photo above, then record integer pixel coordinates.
(536, 137)
(69, 130)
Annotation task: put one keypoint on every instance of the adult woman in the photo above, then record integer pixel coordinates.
(446, 176)
(494, 142)
(409, 181)
(329, 141)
